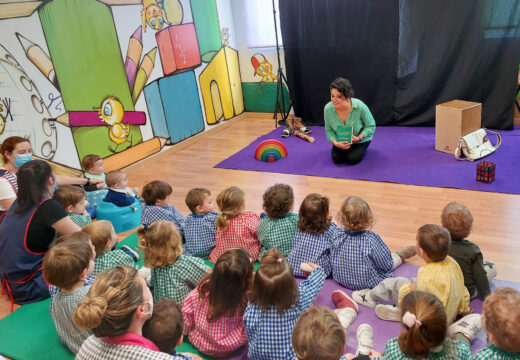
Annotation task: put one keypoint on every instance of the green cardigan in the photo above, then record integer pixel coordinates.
(359, 118)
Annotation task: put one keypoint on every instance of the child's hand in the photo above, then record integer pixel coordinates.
(209, 268)
(349, 356)
(375, 354)
(100, 185)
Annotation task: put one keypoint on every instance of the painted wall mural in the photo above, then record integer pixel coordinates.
(119, 78)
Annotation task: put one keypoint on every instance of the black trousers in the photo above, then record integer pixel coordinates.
(352, 155)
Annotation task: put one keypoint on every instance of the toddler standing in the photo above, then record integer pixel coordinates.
(277, 228)
(275, 304)
(156, 195)
(73, 199)
(200, 226)
(173, 275)
(235, 226)
(359, 257)
(312, 241)
(213, 312)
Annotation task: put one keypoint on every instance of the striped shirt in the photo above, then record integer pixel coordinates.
(62, 308)
(177, 280)
(451, 350)
(199, 232)
(269, 332)
(443, 279)
(111, 259)
(313, 248)
(277, 233)
(360, 260)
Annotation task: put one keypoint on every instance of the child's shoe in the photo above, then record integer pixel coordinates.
(362, 297)
(341, 300)
(491, 270)
(469, 326)
(365, 339)
(133, 254)
(407, 252)
(388, 312)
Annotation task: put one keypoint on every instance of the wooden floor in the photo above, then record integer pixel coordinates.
(399, 209)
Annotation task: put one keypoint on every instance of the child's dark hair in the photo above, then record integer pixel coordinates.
(165, 327)
(457, 219)
(429, 329)
(114, 177)
(278, 200)
(343, 86)
(228, 285)
(156, 190)
(501, 318)
(318, 335)
(89, 161)
(435, 241)
(314, 214)
(274, 283)
(64, 262)
(355, 214)
(100, 233)
(196, 197)
(68, 195)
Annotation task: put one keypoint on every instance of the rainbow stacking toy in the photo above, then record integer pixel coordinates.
(270, 150)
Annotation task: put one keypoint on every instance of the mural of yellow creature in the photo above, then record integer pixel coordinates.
(112, 112)
(263, 68)
(5, 105)
(152, 15)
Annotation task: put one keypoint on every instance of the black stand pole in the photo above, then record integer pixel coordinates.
(279, 107)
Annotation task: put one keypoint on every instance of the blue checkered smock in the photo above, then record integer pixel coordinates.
(199, 232)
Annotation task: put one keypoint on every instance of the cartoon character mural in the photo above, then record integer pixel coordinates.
(263, 68)
(5, 105)
(225, 35)
(152, 15)
(111, 112)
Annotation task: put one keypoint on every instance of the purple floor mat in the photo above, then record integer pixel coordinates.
(385, 330)
(403, 155)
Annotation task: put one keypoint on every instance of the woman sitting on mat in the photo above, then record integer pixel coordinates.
(349, 125)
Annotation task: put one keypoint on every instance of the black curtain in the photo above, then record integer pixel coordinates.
(404, 56)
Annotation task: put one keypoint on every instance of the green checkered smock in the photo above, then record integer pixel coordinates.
(81, 220)
(451, 350)
(177, 280)
(111, 259)
(277, 233)
(493, 353)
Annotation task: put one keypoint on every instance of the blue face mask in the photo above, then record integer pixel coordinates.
(22, 159)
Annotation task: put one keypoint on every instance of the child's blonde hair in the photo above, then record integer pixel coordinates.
(430, 325)
(355, 214)
(110, 303)
(100, 233)
(501, 318)
(274, 283)
(231, 202)
(160, 242)
(457, 219)
(318, 335)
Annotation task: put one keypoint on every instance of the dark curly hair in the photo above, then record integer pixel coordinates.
(343, 86)
(314, 214)
(278, 200)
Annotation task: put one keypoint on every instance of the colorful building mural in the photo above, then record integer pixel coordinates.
(117, 78)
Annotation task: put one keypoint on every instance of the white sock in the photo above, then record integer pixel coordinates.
(396, 260)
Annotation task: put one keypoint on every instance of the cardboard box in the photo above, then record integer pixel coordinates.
(454, 119)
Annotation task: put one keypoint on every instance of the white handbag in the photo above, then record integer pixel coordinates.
(476, 145)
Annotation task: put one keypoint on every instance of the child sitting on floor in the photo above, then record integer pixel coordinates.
(424, 332)
(173, 275)
(93, 166)
(66, 265)
(165, 327)
(213, 312)
(104, 239)
(275, 304)
(477, 272)
(200, 226)
(73, 200)
(319, 334)
(359, 257)
(235, 226)
(277, 228)
(119, 193)
(156, 195)
(441, 276)
(311, 243)
(500, 319)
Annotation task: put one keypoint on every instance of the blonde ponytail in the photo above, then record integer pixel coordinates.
(231, 202)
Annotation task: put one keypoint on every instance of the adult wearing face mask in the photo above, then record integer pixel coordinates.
(17, 151)
(27, 230)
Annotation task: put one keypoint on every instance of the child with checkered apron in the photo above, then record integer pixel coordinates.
(200, 226)
(173, 275)
(275, 304)
(360, 259)
(425, 326)
(311, 243)
(277, 228)
(213, 312)
(235, 226)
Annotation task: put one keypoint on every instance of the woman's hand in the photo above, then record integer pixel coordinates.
(344, 145)
(356, 139)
